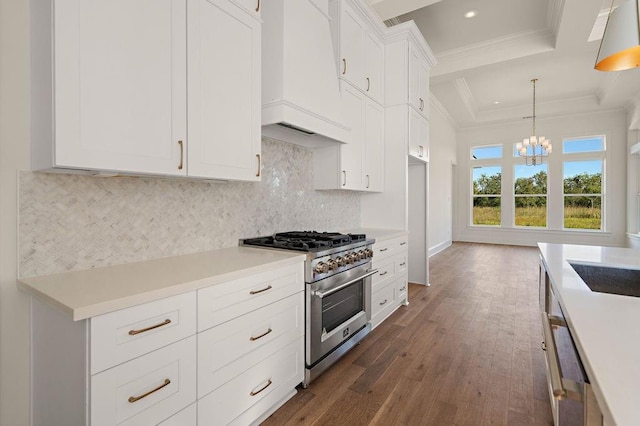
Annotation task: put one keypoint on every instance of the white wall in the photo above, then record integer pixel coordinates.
(610, 123)
(442, 156)
(14, 150)
(417, 205)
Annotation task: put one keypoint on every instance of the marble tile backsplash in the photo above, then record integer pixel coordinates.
(71, 222)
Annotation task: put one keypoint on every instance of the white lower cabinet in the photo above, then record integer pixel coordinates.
(159, 363)
(146, 390)
(389, 286)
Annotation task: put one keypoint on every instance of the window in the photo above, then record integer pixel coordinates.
(485, 152)
(487, 184)
(583, 167)
(530, 195)
(583, 194)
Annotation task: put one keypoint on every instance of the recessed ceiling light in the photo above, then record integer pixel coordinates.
(471, 14)
(496, 102)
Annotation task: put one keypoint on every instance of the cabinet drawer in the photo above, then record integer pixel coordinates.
(231, 348)
(401, 262)
(386, 270)
(383, 299)
(245, 398)
(221, 303)
(186, 417)
(388, 248)
(403, 286)
(148, 389)
(122, 335)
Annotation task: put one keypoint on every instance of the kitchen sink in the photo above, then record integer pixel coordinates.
(605, 279)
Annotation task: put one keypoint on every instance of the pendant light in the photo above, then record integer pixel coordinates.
(620, 45)
(534, 148)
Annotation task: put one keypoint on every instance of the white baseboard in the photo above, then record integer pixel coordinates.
(439, 247)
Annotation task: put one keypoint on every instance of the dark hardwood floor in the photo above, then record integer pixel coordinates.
(466, 351)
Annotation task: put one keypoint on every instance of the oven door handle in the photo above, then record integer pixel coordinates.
(562, 388)
(322, 294)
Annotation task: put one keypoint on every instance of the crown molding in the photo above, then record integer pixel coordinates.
(410, 30)
(499, 49)
(464, 91)
(554, 15)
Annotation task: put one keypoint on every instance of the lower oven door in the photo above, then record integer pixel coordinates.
(337, 307)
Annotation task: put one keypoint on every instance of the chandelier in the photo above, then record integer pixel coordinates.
(534, 148)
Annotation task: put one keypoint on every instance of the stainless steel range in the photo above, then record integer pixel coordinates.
(338, 291)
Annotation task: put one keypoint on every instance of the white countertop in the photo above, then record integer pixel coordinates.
(88, 293)
(605, 327)
(378, 234)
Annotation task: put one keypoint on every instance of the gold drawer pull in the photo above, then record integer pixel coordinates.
(344, 63)
(181, 155)
(252, 393)
(253, 339)
(403, 288)
(259, 165)
(403, 263)
(384, 249)
(368, 84)
(133, 399)
(382, 303)
(134, 332)
(382, 274)
(258, 6)
(260, 291)
(404, 243)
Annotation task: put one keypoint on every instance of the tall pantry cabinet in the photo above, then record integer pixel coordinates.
(157, 87)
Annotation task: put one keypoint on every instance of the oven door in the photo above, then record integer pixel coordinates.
(337, 307)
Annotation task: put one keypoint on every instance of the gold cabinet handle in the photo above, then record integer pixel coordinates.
(403, 263)
(368, 84)
(252, 292)
(384, 249)
(259, 164)
(253, 339)
(403, 288)
(133, 399)
(382, 274)
(134, 332)
(421, 153)
(385, 301)
(344, 66)
(181, 155)
(258, 6)
(252, 393)
(344, 175)
(368, 181)
(404, 243)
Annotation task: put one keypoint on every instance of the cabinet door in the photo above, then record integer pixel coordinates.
(418, 82)
(352, 48)
(351, 154)
(374, 147)
(374, 67)
(120, 85)
(224, 91)
(418, 135)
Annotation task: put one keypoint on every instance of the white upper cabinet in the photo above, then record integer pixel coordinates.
(361, 60)
(357, 165)
(223, 92)
(418, 82)
(119, 86)
(254, 7)
(373, 147)
(110, 87)
(418, 135)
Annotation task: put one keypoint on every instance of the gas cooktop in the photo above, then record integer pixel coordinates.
(308, 241)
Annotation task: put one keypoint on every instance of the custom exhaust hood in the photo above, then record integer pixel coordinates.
(301, 101)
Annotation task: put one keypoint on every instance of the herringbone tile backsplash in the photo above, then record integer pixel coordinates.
(71, 222)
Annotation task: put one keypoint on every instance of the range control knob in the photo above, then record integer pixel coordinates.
(368, 253)
(361, 255)
(350, 258)
(341, 261)
(333, 265)
(321, 268)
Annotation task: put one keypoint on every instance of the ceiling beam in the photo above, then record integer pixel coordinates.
(387, 9)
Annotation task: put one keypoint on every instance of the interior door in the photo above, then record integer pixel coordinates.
(120, 85)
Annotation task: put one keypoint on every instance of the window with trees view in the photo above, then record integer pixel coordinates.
(487, 183)
(530, 195)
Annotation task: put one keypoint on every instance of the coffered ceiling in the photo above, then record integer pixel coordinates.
(486, 63)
